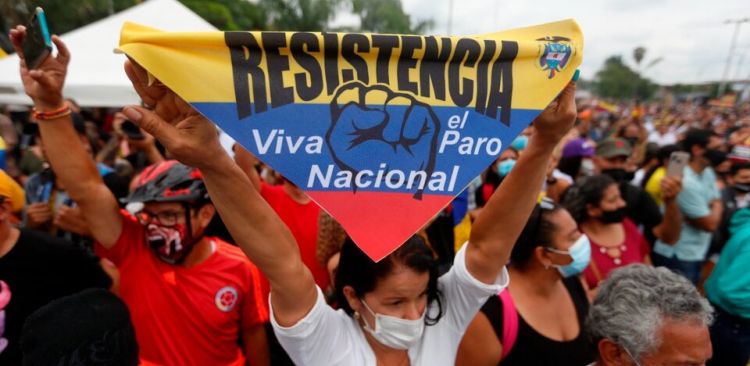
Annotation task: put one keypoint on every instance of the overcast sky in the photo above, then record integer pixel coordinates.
(689, 35)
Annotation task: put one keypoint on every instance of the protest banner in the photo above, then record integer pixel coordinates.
(382, 131)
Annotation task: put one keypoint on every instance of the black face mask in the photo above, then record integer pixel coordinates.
(714, 156)
(619, 175)
(742, 187)
(612, 217)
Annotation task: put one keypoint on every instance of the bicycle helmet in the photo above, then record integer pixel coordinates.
(169, 181)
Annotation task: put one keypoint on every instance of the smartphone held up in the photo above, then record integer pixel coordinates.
(37, 45)
(132, 131)
(677, 162)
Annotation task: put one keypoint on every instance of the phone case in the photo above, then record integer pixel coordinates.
(43, 26)
(677, 162)
(38, 44)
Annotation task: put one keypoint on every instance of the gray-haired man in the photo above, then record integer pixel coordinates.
(649, 316)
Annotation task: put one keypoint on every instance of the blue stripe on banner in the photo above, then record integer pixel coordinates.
(303, 143)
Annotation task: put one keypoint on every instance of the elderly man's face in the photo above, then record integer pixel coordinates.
(683, 344)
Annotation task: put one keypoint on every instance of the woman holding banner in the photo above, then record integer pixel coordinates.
(396, 311)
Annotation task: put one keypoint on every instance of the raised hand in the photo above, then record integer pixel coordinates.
(38, 214)
(185, 133)
(45, 83)
(670, 188)
(558, 118)
(72, 219)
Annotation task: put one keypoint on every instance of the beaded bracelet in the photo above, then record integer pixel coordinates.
(45, 116)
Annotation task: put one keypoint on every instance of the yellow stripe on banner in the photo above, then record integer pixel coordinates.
(461, 232)
(198, 66)
(194, 64)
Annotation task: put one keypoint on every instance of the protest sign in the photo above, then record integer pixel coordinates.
(382, 131)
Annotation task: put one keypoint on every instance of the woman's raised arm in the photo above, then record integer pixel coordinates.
(503, 217)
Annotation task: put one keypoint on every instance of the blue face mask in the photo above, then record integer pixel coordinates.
(520, 142)
(581, 254)
(504, 167)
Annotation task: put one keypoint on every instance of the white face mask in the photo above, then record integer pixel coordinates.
(395, 332)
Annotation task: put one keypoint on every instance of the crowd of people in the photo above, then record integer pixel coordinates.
(133, 237)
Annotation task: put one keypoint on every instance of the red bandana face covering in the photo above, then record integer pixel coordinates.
(171, 243)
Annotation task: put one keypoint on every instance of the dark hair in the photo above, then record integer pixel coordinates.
(695, 136)
(92, 327)
(570, 165)
(736, 167)
(665, 152)
(652, 152)
(360, 272)
(662, 155)
(587, 191)
(539, 231)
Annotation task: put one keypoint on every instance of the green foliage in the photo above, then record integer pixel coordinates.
(387, 16)
(682, 88)
(300, 15)
(638, 54)
(62, 15)
(229, 14)
(617, 80)
(216, 14)
(381, 16)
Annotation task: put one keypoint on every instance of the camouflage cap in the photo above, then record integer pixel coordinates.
(612, 147)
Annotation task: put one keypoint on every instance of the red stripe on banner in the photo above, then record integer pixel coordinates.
(393, 217)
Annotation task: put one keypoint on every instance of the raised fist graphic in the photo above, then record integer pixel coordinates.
(373, 125)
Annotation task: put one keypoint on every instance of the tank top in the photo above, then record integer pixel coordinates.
(532, 348)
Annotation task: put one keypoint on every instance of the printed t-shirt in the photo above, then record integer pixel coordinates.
(333, 338)
(38, 269)
(302, 221)
(187, 316)
(698, 190)
(636, 248)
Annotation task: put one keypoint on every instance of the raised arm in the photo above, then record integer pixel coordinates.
(265, 239)
(668, 231)
(247, 162)
(499, 224)
(72, 164)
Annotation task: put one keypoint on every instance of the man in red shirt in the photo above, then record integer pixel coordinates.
(294, 207)
(194, 300)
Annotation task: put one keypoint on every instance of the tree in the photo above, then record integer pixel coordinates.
(229, 14)
(617, 80)
(638, 54)
(62, 15)
(300, 15)
(387, 16)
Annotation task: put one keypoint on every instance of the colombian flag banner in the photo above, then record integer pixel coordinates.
(381, 130)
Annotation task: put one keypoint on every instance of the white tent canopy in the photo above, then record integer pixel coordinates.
(95, 75)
